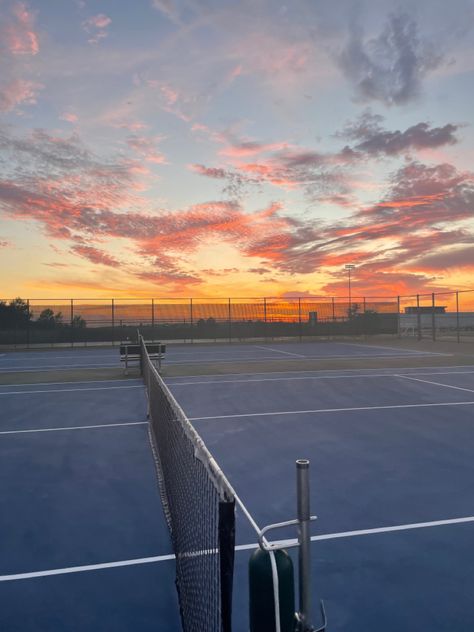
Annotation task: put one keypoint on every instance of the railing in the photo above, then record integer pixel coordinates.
(31, 322)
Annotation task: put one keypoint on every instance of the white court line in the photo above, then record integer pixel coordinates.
(89, 567)
(32, 356)
(298, 355)
(457, 388)
(31, 430)
(310, 377)
(239, 547)
(71, 390)
(331, 357)
(57, 367)
(352, 534)
(132, 379)
(329, 410)
(338, 372)
(409, 351)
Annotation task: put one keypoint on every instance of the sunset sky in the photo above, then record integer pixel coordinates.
(222, 148)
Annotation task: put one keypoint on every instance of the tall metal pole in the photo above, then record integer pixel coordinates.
(304, 540)
(349, 267)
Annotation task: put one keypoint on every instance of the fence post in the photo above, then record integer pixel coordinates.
(191, 318)
(433, 320)
(458, 336)
(28, 323)
(153, 319)
(113, 323)
(230, 322)
(265, 318)
(299, 319)
(418, 316)
(72, 322)
(399, 333)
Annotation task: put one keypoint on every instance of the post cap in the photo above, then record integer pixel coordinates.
(302, 463)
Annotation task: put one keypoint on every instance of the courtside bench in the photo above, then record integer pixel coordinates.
(130, 353)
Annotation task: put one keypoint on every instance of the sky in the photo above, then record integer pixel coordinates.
(214, 148)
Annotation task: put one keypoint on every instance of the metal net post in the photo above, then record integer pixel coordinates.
(304, 539)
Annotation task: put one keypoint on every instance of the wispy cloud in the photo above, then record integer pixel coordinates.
(94, 255)
(18, 92)
(96, 27)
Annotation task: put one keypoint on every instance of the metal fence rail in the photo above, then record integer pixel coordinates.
(31, 322)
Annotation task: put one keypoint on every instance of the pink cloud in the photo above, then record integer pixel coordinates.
(94, 255)
(146, 147)
(16, 92)
(426, 209)
(17, 34)
(96, 26)
(171, 95)
(69, 117)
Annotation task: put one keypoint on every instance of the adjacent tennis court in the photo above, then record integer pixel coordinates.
(83, 536)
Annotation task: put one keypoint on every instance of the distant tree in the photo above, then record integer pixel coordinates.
(15, 314)
(48, 318)
(78, 322)
(353, 310)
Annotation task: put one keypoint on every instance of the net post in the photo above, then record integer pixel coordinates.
(304, 540)
(457, 317)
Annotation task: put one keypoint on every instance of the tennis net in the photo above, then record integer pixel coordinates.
(199, 506)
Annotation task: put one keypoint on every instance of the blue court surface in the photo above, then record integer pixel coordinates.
(83, 540)
(98, 358)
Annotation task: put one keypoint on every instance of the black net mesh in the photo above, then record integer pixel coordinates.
(199, 508)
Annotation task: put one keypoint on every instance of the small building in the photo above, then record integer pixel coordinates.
(426, 309)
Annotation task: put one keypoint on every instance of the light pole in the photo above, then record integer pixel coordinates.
(349, 267)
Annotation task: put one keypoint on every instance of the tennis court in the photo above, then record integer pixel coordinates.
(84, 541)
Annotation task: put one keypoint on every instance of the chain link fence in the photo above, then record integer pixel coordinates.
(73, 322)
(438, 316)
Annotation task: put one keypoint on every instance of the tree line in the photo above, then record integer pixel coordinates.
(17, 314)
